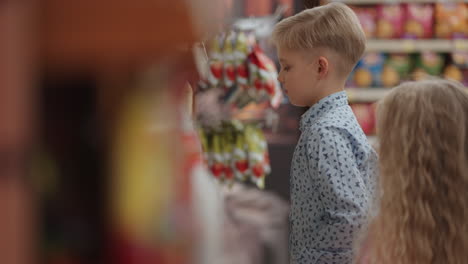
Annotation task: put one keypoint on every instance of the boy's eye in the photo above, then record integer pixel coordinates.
(287, 68)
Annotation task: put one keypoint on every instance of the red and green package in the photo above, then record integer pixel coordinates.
(217, 159)
(229, 71)
(215, 74)
(419, 21)
(240, 160)
(263, 78)
(258, 159)
(240, 57)
(227, 146)
(241, 73)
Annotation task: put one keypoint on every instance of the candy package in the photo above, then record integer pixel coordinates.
(229, 70)
(390, 19)
(419, 21)
(263, 78)
(215, 74)
(236, 152)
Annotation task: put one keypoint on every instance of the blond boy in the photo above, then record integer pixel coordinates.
(334, 167)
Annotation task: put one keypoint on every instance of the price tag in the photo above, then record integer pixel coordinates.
(461, 44)
(408, 45)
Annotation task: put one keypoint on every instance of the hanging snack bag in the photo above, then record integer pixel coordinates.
(256, 150)
(229, 70)
(227, 147)
(241, 72)
(390, 18)
(217, 158)
(419, 21)
(240, 162)
(215, 75)
(264, 78)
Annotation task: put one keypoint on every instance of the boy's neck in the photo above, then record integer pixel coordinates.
(329, 89)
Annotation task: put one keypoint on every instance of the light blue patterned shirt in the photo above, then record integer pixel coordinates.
(333, 178)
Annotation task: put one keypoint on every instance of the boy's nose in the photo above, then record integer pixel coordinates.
(280, 78)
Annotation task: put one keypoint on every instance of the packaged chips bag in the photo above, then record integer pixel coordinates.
(428, 63)
(368, 71)
(390, 19)
(367, 17)
(419, 21)
(451, 20)
(396, 69)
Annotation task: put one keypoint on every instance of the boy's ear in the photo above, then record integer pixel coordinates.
(323, 67)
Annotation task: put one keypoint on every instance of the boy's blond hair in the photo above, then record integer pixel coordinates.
(334, 26)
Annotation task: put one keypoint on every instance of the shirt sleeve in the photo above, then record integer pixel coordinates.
(334, 161)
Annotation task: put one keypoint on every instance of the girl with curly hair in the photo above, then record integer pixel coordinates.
(423, 206)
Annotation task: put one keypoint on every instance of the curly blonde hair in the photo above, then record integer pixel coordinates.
(423, 130)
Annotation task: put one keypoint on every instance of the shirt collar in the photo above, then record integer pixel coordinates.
(323, 106)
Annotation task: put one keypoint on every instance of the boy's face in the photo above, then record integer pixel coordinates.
(298, 76)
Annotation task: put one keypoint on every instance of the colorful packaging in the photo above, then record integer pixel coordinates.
(451, 20)
(229, 70)
(368, 71)
(428, 63)
(227, 146)
(367, 17)
(460, 59)
(365, 116)
(240, 162)
(257, 148)
(465, 77)
(240, 62)
(217, 157)
(453, 72)
(263, 73)
(396, 69)
(215, 74)
(390, 20)
(419, 21)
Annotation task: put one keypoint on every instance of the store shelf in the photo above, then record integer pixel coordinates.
(365, 95)
(371, 2)
(407, 45)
